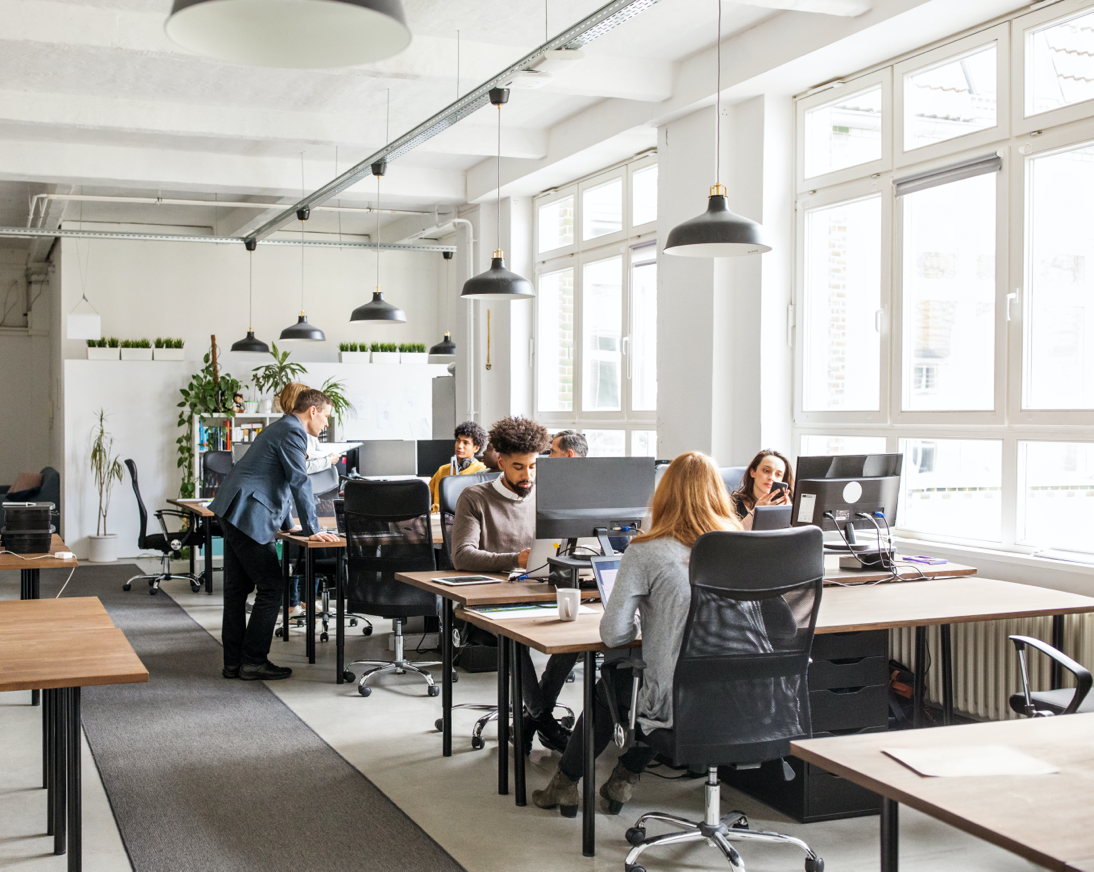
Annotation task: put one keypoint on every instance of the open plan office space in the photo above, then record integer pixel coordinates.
(847, 238)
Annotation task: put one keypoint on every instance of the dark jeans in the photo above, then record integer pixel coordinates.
(248, 566)
(635, 759)
(541, 694)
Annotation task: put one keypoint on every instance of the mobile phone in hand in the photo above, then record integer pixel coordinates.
(778, 489)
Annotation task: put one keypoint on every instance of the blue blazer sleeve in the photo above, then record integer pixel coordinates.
(291, 453)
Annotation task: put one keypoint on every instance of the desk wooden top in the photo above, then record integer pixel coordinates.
(70, 613)
(194, 507)
(486, 594)
(69, 658)
(952, 601)
(39, 561)
(546, 634)
(1044, 818)
(833, 575)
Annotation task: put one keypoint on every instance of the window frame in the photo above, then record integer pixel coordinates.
(546, 200)
(1041, 19)
(633, 168)
(597, 181)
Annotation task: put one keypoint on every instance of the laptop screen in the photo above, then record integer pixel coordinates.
(605, 570)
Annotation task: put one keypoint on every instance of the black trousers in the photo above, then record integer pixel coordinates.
(540, 695)
(248, 566)
(635, 759)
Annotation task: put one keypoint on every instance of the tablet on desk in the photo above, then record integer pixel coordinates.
(458, 580)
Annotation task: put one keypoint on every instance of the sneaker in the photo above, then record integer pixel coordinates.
(296, 611)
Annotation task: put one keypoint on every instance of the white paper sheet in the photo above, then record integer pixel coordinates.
(976, 760)
(544, 611)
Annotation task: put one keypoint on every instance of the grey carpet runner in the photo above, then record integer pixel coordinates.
(209, 774)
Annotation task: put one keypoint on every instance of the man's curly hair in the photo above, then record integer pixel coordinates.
(473, 432)
(519, 436)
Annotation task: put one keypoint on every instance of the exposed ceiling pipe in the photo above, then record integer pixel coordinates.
(604, 20)
(168, 201)
(36, 232)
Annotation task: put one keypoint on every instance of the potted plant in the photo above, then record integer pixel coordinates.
(169, 349)
(352, 352)
(274, 376)
(106, 469)
(209, 393)
(136, 349)
(340, 405)
(385, 352)
(413, 352)
(98, 349)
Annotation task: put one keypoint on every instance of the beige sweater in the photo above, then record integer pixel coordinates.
(490, 530)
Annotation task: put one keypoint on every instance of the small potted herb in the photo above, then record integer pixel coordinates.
(136, 349)
(385, 352)
(170, 349)
(352, 352)
(413, 352)
(99, 349)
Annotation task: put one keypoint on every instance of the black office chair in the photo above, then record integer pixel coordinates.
(387, 531)
(451, 486)
(740, 693)
(215, 466)
(166, 543)
(1046, 703)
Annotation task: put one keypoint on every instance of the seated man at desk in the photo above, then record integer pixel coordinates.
(493, 531)
(470, 440)
(569, 443)
(652, 593)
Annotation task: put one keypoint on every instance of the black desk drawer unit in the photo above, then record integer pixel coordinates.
(848, 693)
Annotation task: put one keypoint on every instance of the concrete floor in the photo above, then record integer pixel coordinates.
(390, 738)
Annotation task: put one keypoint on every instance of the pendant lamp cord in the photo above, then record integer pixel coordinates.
(499, 176)
(250, 291)
(718, 103)
(301, 236)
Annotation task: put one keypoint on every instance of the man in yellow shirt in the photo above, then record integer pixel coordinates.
(470, 439)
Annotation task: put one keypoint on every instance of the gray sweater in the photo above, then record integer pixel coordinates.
(490, 530)
(652, 594)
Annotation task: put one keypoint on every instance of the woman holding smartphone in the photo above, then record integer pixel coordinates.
(768, 481)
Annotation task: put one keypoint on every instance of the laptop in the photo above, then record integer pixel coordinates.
(772, 517)
(544, 548)
(604, 571)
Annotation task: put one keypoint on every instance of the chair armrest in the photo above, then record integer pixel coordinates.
(1083, 678)
(4, 488)
(623, 735)
(163, 524)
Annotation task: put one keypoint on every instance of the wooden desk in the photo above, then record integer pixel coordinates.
(1044, 818)
(69, 648)
(471, 596)
(199, 511)
(29, 566)
(833, 575)
(307, 595)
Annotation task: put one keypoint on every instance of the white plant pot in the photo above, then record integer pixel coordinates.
(265, 406)
(414, 357)
(169, 354)
(104, 549)
(136, 353)
(103, 353)
(250, 407)
(354, 356)
(385, 357)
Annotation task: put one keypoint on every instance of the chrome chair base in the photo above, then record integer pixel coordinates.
(399, 665)
(165, 574)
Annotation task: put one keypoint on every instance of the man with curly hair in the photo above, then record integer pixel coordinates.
(470, 440)
(493, 531)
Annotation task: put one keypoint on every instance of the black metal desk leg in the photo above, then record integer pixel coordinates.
(47, 700)
(60, 770)
(24, 584)
(75, 811)
(309, 592)
(446, 680)
(192, 549)
(503, 716)
(920, 676)
(340, 617)
(285, 607)
(1057, 674)
(207, 523)
(588, 787)
(947, 675)
(890, 831)
(518, 722)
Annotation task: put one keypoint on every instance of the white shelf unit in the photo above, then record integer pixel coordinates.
(237, 420)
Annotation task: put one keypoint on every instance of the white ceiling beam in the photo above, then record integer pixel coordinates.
(50, 213)
(846, 8)
(628, 78)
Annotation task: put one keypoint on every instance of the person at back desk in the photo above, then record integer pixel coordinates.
(757, 488)
(470, 439)
(493, 531)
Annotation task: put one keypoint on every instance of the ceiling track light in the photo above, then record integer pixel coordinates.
(717, 232)
(378, 309)
(290, 34)
(250, 343)
(498, 283)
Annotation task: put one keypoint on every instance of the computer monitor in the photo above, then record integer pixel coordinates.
(387, 457)
(577, 495)
(434, 453)
(845, 485)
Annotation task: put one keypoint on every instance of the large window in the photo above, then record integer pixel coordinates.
(943, 306)
(595, 348)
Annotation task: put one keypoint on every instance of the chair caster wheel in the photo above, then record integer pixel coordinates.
(567, 721)
(571, 678)
(353, 622)
(127, 586)
(348, 677)
(194, 587)
(742, 824)
(455, 677)
(433, 690)
(323, 637)
(277, 632)
(636, 836)
(153, 591)
(438, 724)
(636, 868)
(477, 743)
(812, 865)
(365, 690)
(367, 631)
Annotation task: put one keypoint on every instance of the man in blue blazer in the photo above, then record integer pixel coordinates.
(253, 503)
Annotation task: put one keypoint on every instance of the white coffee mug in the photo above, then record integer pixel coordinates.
(569, 602)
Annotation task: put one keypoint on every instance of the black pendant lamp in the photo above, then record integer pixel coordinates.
(446, 345)
(250, 342)
(290, 33)
(378, 309)
(717, 232)
(302, 330)
(498, 283)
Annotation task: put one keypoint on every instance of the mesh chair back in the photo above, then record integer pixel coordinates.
(732, 476)
(142, 535)
(387, 531)
(740, 690)
(325, 488)
(215, 466)
(451, 487)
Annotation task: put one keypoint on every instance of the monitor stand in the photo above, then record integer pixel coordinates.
(569, 567)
